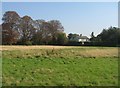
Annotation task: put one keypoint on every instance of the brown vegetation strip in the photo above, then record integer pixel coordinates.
(32, 47)
(101, 53)
(73, 50)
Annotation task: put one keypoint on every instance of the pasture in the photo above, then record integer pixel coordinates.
(59, 66)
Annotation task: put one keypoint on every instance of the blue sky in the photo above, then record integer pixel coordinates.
(76, 17)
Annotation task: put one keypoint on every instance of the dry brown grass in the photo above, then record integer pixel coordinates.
(101, 52)
(73, 50)
(17, 47)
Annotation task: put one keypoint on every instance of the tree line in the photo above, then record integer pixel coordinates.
(108, 37)
(26, 31)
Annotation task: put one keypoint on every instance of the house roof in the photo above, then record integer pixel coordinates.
(83, 37)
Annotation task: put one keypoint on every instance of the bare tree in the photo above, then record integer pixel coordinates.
(37, 38)
(9, 35)
(26, 29)
(11, 17)
(55, 28)
(9, 27)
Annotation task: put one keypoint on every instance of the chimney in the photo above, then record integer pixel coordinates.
(80, 35)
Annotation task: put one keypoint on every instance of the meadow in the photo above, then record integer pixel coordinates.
(59, 66)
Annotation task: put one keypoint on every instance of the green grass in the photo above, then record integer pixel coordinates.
(57, 67)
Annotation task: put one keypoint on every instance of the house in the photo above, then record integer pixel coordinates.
(83, 39)
(78, 38)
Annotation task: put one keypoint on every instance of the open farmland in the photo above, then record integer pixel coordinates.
(59, 65)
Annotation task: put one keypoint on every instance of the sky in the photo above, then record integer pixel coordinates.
(60, 0)
(76, 17)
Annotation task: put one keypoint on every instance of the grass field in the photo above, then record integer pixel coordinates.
(58, 66)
